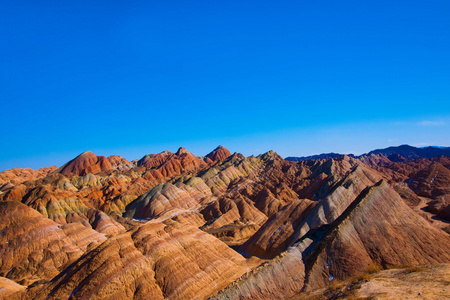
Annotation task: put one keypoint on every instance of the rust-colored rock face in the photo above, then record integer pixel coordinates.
(119, 163)
(275, 235)
(220, 153)
(33, 247)
(18, 175)
(86, 162)
(154, 261)
(178, 226)
(377, 228)
(281, 278)
(432, 181)
(11, 290)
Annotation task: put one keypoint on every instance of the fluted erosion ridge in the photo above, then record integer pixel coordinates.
(86, 162)
(377, 228)
(225, 226)
(154, 261)
(218, 154)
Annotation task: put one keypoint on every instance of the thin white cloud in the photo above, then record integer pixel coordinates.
(432, 123)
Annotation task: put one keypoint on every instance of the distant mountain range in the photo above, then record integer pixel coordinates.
(331, 155)
(405, 151)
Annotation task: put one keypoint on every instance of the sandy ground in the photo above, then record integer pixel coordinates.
(406, 283)
(8, 288)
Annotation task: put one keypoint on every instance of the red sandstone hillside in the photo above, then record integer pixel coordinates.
(86, 163)
(178, 226)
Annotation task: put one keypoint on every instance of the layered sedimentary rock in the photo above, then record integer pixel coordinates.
(154, 160)
(155, 261)
(275, 235)
(427, 178)
(283, 277)
(335, 196)
(33, 247)
(103, 223)
(174, 225)
(11, 290)
(119, 163)
(162, 199)
(116, 269)
(441, 207)
(86, 162)
(19, 175)
(432, 181)
(218, 154)
(408, 282)
(167, 164)
(228, 211)
(11, 192)
(378, 227)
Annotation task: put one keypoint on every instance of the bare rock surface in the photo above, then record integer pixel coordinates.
(177, 226)
(378, 228)
(119, 163)
(155, 261)
(342, 191)
(86, 162)
(218, 154)
(11, 290)
(19, 175)
(275, 235)
(409, 283)
(278, 279)
(33, 247)
(426, 282)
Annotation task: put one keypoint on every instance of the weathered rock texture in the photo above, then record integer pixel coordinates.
(86, 162)
(280, 278)
(33, 247)
(178, 226)
(11, 290)
(220, 153)
(275, 235)
(119, 163)
(378, 227)
(18, 175)
(154, 261)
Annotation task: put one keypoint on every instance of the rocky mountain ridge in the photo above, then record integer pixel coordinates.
(178, 226)
(394, 152)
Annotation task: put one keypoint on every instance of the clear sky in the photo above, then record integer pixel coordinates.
(297, 77)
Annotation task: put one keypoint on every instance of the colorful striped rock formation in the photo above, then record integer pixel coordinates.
(219, 226)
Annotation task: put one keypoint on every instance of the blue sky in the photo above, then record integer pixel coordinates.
(296, 77)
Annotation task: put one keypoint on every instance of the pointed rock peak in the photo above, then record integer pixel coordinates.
(271, 155)
(86, 162)
(220, 153)
(167, 152)
(87, 155)
(182, 150)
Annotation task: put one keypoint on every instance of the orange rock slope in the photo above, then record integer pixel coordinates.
(178, 226)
